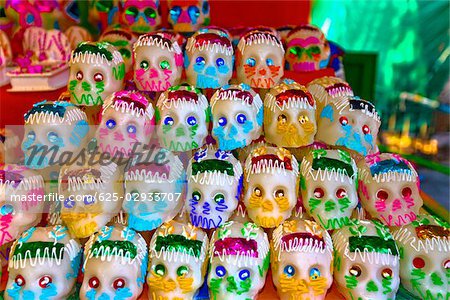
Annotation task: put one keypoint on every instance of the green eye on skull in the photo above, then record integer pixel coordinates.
(182, 270)
(160, 269)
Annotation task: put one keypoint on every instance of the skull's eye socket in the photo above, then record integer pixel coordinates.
(447, 264)
(303, 119)
(418, 263)
(241, 118)
(295, 50)
(98, 77)
(132, 11)
(79, 75)
(191, 120)
(289, 270)
(200, 60)
(250, 62)
(282, 118)
(318, 193)
(52, 137)
(160, 270)
(44, 281)
(220, 62)
(279, 193)
(193, 12)
(222, 121)
(355, 271)
(244, 274)
(196, 196)
(406, 192)
(219, 198)
(88, 199)
(111, 123)
(119, 283)
(94, 282)
(314, 273)
(382, 195)
(175, 12)
(150, 13)
(269, 62)
(19, 280)
(386, 273)
(257, 191)
(131, 129)
(221, 271)
(31, 135)
(341, 193)
(168, 121)
(6, 209)
(182, 271)
(144, 64)
(205, 7)
(366, 129)
(343, 120)
(165, 65)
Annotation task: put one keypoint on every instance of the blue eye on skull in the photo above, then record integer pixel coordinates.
(191, 120)
(69, 203)
(244, 274)
(168, 121)
(88, 199)
(111, 123)
(269, 62)
(131, 129)
(52, 137)
(289, 270)
(194, 13)
(221, 271)
(196, 196)
(220, 62)
(222, 121)
(314, 273)
(175, 12)
(6, 209)
(251, 62)
(241, 118)
(31, 135)
(200, 60)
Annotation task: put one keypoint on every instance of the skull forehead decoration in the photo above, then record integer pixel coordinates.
(289, 115)
(188, 15)
(18, 182)
(270, 185)
(127, 123)
(123, 40)
(307, 49)
(366, 261)
(43, 263)
(140, 16)
(178, 261)
(237, 113)
(302, 254)
(52, 128)
(389, 189)
(97, 70)
(260, 59)
(209, 61)
(328, 186)
(158, 62)
(183, 115)
(425, 257)
(239, 259)
(350, 122)
(115, 264)
(214, 186)
(86, 208)
(76, 35)
(155, 189)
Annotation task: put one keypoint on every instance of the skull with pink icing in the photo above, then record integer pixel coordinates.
(158, 62)
(140, 16)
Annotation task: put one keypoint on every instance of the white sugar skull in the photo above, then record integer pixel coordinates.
(350, 122)
(270, 185)
(141, 16)
(158, 62)
(97, 70)
(115, 264)
(214, 186)
(307, 49)
(389, 189)
(289, 115)
(43, 264)
(260, 59)
(239, 260)
(328, 186)
(51, 129)
(188, 16)
(93, 194)
(154, 190)
(178, 261)
(123, 40)
(209, 59)
(184, 115)
(366, 261)
(126, 125)
(237, 113)
(302, 260)
(424, 248)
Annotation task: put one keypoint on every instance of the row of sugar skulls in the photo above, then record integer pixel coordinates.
(365, 260)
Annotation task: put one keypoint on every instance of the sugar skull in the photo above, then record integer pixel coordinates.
(184, 115)
(350, 122)
(123, 40)
(214, 186)
(126, 125)
(302, 260)
(158, 62)
(307, 49)
(53, 128)
(188, 16)
(260, 59)
(178, 261)
(389, 189)
(93, 194)
(289, 115)
(115, 264)
(97, 70)
(21, 201)
(328, 186)
(366, 261)
(237, 113)
(43, 264)
(270, 185)
(209, 59)
(140, 16)
(239, 260)
(424, 248)
(154, 190)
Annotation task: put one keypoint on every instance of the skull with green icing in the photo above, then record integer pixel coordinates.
(123, 40)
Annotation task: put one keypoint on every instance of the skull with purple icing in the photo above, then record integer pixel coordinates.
(188, 15)
(302, 260)
(123, 40)
(239, 260)
(237, 113)
(389, 189)
(140, 16)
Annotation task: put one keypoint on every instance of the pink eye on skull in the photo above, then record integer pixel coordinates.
(119, 283)
(343, 120)
(318, 193)
(98, 77)
(44, 281)
(341, 193)
(382, 195)
(406, 192)
(79, 75)
(366, 129)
